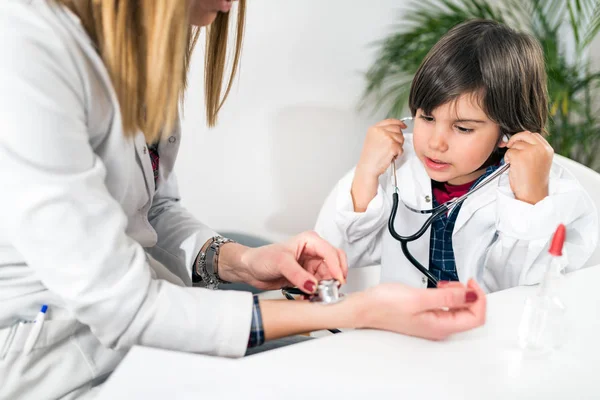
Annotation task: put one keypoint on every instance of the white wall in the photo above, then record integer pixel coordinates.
(276, 152)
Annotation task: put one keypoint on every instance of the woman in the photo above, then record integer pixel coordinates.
(91, 220)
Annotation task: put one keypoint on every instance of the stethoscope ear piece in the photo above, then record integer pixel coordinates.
(505, 138)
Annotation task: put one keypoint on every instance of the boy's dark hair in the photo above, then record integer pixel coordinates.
(503, 68)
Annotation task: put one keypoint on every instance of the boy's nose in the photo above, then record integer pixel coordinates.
(438, 140)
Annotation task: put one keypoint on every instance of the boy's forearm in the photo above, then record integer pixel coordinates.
(364, 189)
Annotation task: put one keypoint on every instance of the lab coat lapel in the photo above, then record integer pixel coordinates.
(478, 200)
(140, 143)
(414, 184)
(144, 161)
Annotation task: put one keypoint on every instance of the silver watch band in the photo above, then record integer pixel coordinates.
(207, 265)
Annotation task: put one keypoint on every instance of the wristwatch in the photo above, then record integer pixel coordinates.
(206, 268)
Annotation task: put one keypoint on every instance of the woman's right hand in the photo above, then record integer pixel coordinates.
(427, 313)
(384, 142)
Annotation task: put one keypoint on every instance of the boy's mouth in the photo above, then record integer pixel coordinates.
(437, 165)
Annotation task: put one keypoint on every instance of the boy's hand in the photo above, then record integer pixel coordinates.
(384, 142)
(530, 158)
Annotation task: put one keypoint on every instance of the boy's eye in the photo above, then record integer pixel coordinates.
(461, 129)
(464, 130)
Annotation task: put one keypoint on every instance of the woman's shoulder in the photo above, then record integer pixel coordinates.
(41, 55)
(34, 32)
(23, 21)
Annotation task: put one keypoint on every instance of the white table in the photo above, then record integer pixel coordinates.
(482, 364)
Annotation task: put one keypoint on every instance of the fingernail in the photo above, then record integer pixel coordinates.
(310, 286)
(471, 297)
(442, 283)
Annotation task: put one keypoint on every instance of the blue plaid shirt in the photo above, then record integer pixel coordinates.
(257, 331)
(441, 254)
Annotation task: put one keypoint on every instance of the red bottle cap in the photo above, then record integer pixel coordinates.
(558, 240)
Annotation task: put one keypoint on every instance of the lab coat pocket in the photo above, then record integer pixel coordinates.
(56, 357)
(100, 359)
(51, 333)
(70, 336)
(7, 336)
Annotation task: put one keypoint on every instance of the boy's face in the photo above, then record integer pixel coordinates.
(455, 140)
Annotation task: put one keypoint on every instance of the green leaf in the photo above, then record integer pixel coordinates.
(574, 21)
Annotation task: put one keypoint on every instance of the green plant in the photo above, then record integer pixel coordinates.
(574, 125)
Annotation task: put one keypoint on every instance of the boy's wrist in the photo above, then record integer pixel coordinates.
(365, 175)
(363, 190)
(534, 196)
(357, 306)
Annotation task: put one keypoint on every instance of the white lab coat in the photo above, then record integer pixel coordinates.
(82, 228)
(497, 240)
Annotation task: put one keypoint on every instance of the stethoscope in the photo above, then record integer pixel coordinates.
(328, 290)
(435, 212)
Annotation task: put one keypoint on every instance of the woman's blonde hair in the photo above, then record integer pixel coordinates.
(146, 47)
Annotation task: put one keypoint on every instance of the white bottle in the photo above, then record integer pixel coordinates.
(543, 324)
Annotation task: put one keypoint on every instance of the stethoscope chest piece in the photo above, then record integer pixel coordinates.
(328, 292)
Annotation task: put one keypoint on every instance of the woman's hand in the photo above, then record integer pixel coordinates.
(530, 158)
(384, 142)
(428, 313)
(302, 261)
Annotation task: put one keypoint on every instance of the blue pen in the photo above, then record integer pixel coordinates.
(36, 328)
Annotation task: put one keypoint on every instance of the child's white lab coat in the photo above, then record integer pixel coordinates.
(498, 240)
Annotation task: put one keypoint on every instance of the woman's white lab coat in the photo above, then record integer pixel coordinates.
(82, 228)
(498, 240)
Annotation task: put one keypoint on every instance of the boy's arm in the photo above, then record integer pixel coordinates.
(517, 256)
(359, 234)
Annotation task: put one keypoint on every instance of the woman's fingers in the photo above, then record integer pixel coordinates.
(470, 314)
(296, 274)
(311, 244)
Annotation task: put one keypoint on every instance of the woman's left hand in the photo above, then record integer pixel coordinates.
(302, 261)
(530, 158)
